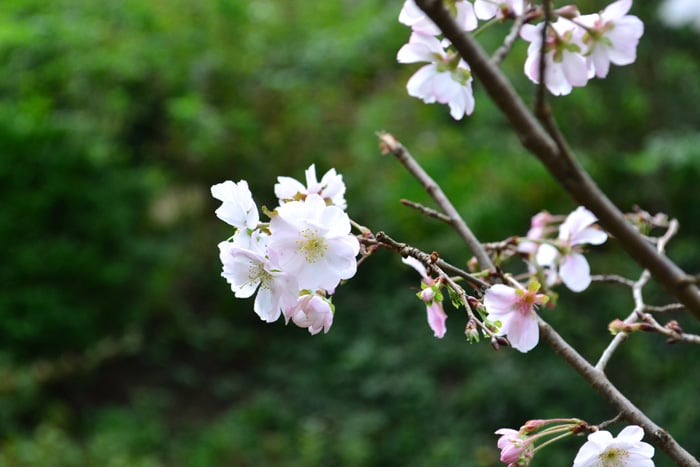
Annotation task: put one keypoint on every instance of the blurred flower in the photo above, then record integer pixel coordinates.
(238, 207)
(677, 13)
(431, 297)
(411, 15)
(611, 36)
(446, 79)
(565, 64)
(626, 450)
(515, 309)
(487, 9)
(313, 243)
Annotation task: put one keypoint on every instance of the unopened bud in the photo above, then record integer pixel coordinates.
(567, 11)
(472, 331)
(532, 425)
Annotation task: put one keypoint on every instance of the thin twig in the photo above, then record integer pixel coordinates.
(612, 278)
(390, 144)
(663, 308)
(500, 54)
(427, 211)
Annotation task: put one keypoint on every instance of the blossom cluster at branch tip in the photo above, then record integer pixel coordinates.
(561, 258)
(578, 47)
(625, 450)
(296, 261)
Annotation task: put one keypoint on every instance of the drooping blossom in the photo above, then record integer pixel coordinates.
(625, 450)
(435, 312)
(565, 64)
(248, 270)
(412, 16)
(515, 309)
(611, 37)
(313, 243)
(487, 9)
(446, 78)
(331, 188)
(574, 232)
(678, 13)
(516, 449)
(238, 207)
(538, 226)
(312, 312)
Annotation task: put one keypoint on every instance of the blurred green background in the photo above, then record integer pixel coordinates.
(120, 344)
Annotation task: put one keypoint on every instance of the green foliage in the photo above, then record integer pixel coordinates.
(122, 346)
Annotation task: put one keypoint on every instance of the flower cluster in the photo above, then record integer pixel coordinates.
(601, 450)
(580, 47)
(577, 47)
(562, 259)
(296, 261)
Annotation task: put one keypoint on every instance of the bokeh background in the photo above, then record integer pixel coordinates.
(120, 344)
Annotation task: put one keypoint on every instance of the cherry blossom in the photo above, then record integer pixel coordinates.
(625, 450)
(331, 188)
(574, 232)
(248, 270)
(565, 64)
(446, 79)
(516, 450)
(433, 303)
(515, 309)
(312, 312)
(611, 37)
(677, 13)
(314, 243)
(487, 9)
(238, 207)
(411, 15)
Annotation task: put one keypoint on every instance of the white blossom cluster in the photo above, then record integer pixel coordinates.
(297, 259)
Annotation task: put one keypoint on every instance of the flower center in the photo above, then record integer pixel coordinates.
(613, 457)
(312, 246)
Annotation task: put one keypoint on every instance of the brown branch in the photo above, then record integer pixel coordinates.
(561, 162)
(604, 387)
(427, 211)
(390, 144)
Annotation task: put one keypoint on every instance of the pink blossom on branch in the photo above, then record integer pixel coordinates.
(433, 303)
(625, 450)
(515, 309)
(574, 232)
(331, 188)
(611, 37)
(312, 312)
(516, 449)
(411, 15)
(237, 208)
(487, 9)
(446, 79)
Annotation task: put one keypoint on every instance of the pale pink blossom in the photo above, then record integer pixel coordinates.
(331, 187)
(574, 232)
(446, 79)
(248, 270)
(516, 450)
(411, 15)
(313, 243)
(312, 312)
(515, 309)
(611, 37)
(538, 228)
(487, 9)
(238, 207)
(565, 64)
(625, 450)
(434, 309)
(678, 13)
